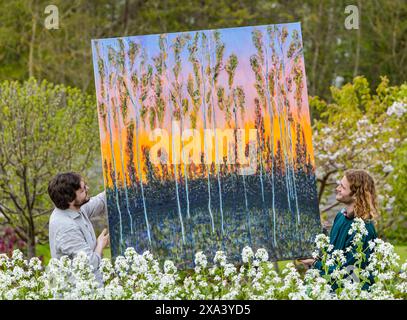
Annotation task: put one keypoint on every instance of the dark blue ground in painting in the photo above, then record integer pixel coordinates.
(293, 240)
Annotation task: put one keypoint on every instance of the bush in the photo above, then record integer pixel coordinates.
(10, 241)
(140, 276)
(362, 129)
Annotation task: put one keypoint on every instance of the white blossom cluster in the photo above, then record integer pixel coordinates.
(364, 140)
(398, 108)
(141, 276)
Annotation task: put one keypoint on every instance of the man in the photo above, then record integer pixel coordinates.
(357, 192)
(70, 229)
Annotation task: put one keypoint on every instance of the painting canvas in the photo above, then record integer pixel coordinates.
(206, 143)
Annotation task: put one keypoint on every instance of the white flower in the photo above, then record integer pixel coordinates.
(398, 108)
(339, 256)
(136, 276)
(148, 256)
(220, 258)
(247, 254)
(388, 168)
(201, 260)
(363, 121)
(229, 269)
(358, 229)
(321, 241)
(336, 274)
(372, 244)
(169, 267)
(262, 254)
(329, 262)
(17, 256)
(328, 141)
(35, 264)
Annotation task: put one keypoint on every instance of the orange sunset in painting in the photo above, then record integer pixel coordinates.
(206, 142)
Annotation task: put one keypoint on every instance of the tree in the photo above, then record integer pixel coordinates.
(239, 104)
(265, 89)
(180, 104)
(292, 53)
(196, 88)
(205, 69)
(365, 130)
(34, 148)
(380, 40)
(236, 101)
(119, 106)
(174, 113)
(136, 77)
(105, 105)
(214, 68)
(134, 182)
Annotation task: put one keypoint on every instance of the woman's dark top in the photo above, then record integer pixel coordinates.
(341, 239)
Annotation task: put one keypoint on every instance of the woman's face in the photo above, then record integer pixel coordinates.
(343, 192)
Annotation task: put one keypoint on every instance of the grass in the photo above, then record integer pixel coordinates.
(43, 250)
(402, 252)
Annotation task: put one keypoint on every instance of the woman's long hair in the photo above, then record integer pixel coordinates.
(362, 187)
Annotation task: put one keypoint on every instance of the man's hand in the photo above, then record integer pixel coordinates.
(307, 262)
(102, 242)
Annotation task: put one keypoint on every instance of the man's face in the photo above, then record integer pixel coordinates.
(82, 195)
(343, 192)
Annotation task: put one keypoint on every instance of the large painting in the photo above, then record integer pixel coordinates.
(206, 143)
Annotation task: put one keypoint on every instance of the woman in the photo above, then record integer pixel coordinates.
(357, 192)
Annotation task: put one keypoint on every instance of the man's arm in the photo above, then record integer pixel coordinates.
(96, 206)
(70, 241)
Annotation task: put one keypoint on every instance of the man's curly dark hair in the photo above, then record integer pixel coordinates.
(62, 188)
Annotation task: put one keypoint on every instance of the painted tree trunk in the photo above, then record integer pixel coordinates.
(283, 147)
(216, 148)
(176, 182)
(271, 145)
(205, 146)
(249, 233)
(138, 161)
(114, 182)
(290, 140)
(191, 227)
(261, 182)
(124, 174)
(185, 165)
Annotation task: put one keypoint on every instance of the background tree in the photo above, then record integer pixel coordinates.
(365, 129)
(333, 54)
(33, 149)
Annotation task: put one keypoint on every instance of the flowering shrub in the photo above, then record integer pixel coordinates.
(140, 276)
(10, 241)
(365, 129)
